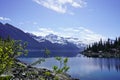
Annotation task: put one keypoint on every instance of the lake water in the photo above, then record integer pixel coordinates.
(41, 53)
(86, 68)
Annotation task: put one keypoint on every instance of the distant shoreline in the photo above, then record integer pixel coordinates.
(101, 55)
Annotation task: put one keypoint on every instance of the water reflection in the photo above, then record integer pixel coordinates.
(108, 63)
(83, 62)
(53, 53)
(86, 68)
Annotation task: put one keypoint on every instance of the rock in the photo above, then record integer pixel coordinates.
(22, 71)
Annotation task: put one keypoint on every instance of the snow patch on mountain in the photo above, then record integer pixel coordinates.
(76, 41)
(55, 39)
(58, 39)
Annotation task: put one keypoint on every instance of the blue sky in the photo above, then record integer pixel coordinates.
(85, 19)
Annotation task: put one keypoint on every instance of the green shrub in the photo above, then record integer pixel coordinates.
(9, 50)
(62, 68)
(6, 78)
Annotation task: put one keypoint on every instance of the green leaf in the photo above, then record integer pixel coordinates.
(47, 73)
(55, 68)
(66, 69)
(58, 58)
(39, 61)
(65, 60)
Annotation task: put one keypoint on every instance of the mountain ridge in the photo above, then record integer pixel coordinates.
(34, 45)
(58, 39)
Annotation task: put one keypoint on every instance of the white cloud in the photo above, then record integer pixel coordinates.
(76, 4)
(86, 35)
(44, 32)
(61, 6)
(83, 34)
(5, 19)
(27, 23)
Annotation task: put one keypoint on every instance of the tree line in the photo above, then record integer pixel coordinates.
(108, 48)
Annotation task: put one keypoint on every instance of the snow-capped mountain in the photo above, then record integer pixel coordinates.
(35, 43)
(38, 38)
(55, 39)
(76, 41)
(62, 40)
(59, 40)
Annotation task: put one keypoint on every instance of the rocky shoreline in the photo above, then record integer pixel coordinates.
(22, 71)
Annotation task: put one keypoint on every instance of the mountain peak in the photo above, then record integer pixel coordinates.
(8, 24)
(1, 24)
(51, 35)
(53, 38)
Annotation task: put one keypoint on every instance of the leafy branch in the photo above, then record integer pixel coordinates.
(63, 68)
